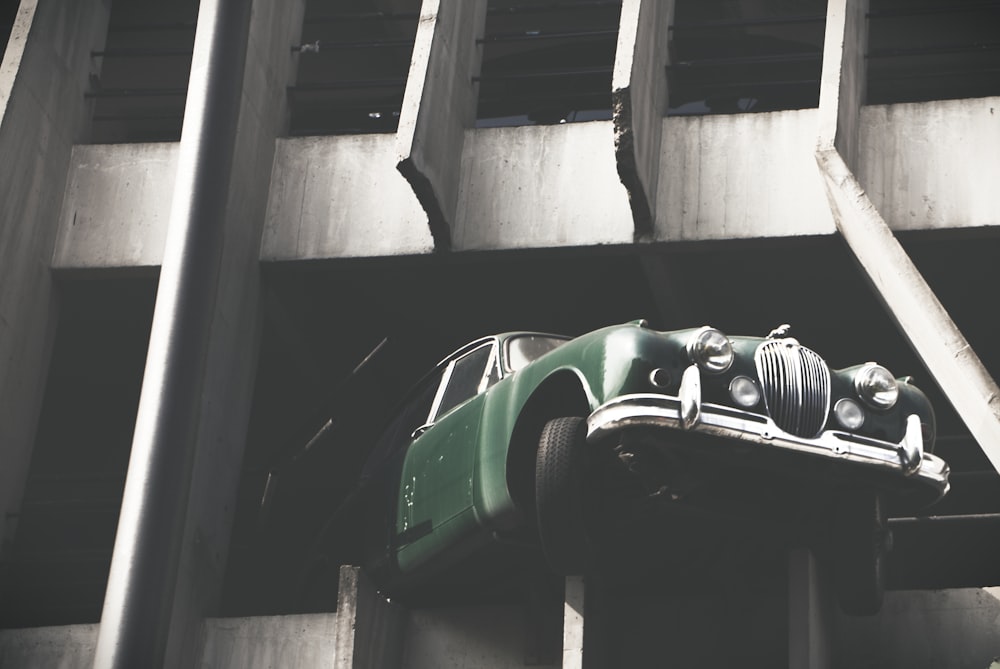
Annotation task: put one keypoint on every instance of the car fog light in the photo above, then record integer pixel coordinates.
(849, 413)
(711, 350)
(744, 392)
(876, 386)
(660, 378)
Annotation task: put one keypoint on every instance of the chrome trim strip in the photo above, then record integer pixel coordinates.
(663, 411)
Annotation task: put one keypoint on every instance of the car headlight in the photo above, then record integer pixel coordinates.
(711, 350)
(876, 386)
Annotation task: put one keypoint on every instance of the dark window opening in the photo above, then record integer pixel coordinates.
(57, 568)
(144, 67)
(547, 62)
(352, 67)
(920, 50)
(735, 56)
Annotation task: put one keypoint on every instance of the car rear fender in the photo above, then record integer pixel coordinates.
(562, 393)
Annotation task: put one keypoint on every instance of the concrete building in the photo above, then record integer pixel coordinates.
(211, 213)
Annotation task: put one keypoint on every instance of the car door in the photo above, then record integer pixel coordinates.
(434, 510)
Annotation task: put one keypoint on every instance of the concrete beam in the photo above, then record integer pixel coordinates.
(740, 176)
(541, 186)
(639, 103)
(439, 105)
(341, 197)
(116, 206)
(932, 165)
(44, 75)
(269, 642)
(910, 301)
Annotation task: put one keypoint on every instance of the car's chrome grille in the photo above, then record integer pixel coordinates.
(796, 385)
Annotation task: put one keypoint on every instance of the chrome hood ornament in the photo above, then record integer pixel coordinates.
(780, 332)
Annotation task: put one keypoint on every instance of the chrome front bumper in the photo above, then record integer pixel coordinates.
(687, 412)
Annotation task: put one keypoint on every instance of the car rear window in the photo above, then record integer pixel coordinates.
(525, 349)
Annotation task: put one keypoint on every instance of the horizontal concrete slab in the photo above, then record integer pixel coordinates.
(741, 176)
(116, 206)
(341, 197)
(933, 165)
(541, 186)
(270, 641)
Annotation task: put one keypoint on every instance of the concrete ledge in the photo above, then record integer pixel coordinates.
(65, 647)
(116, 206)
(741, 176)
(541, 186)
(933, 165)
(270, 641)
(341, 197)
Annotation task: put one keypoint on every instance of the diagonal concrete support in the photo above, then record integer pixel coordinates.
(907, 296)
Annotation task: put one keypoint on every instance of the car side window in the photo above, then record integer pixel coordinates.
(470, 375)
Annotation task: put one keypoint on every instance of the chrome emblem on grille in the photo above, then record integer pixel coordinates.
(796, 386)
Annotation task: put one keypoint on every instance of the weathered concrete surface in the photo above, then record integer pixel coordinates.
(336, 197)
(923, 629)
(64, 647)
(740, 176)
(227, 390)
(43, 77)
(439, 104)
(467, 638)
(639, 101)
(270, 642)
(116, 206)
(541, 186)
(933, 165)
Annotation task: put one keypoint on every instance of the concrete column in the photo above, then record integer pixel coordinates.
(809, 630)
(909, 299)
(369, 628)
(573, 622)
(439, 105)
(166, 569)
(43, 78)
(639, 102)
(231, 366)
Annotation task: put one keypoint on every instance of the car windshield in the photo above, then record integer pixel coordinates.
(525, 349)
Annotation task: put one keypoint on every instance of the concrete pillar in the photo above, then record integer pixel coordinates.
(370, 629)
(43, 78)
(171, 549)
(909, 299)
(809, 616)
(439, 105)
(227, 393)
(639, 102)
(573, 622)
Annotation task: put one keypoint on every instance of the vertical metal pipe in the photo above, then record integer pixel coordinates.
(137, 603)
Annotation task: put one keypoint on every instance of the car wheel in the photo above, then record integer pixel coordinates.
(559, 495)
(861, 541)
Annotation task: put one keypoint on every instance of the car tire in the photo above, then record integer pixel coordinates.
(860, 544)
(559, 495)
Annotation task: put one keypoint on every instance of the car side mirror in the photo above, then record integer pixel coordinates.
(420, 430)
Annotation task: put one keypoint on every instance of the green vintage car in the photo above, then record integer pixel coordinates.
(514, 435)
